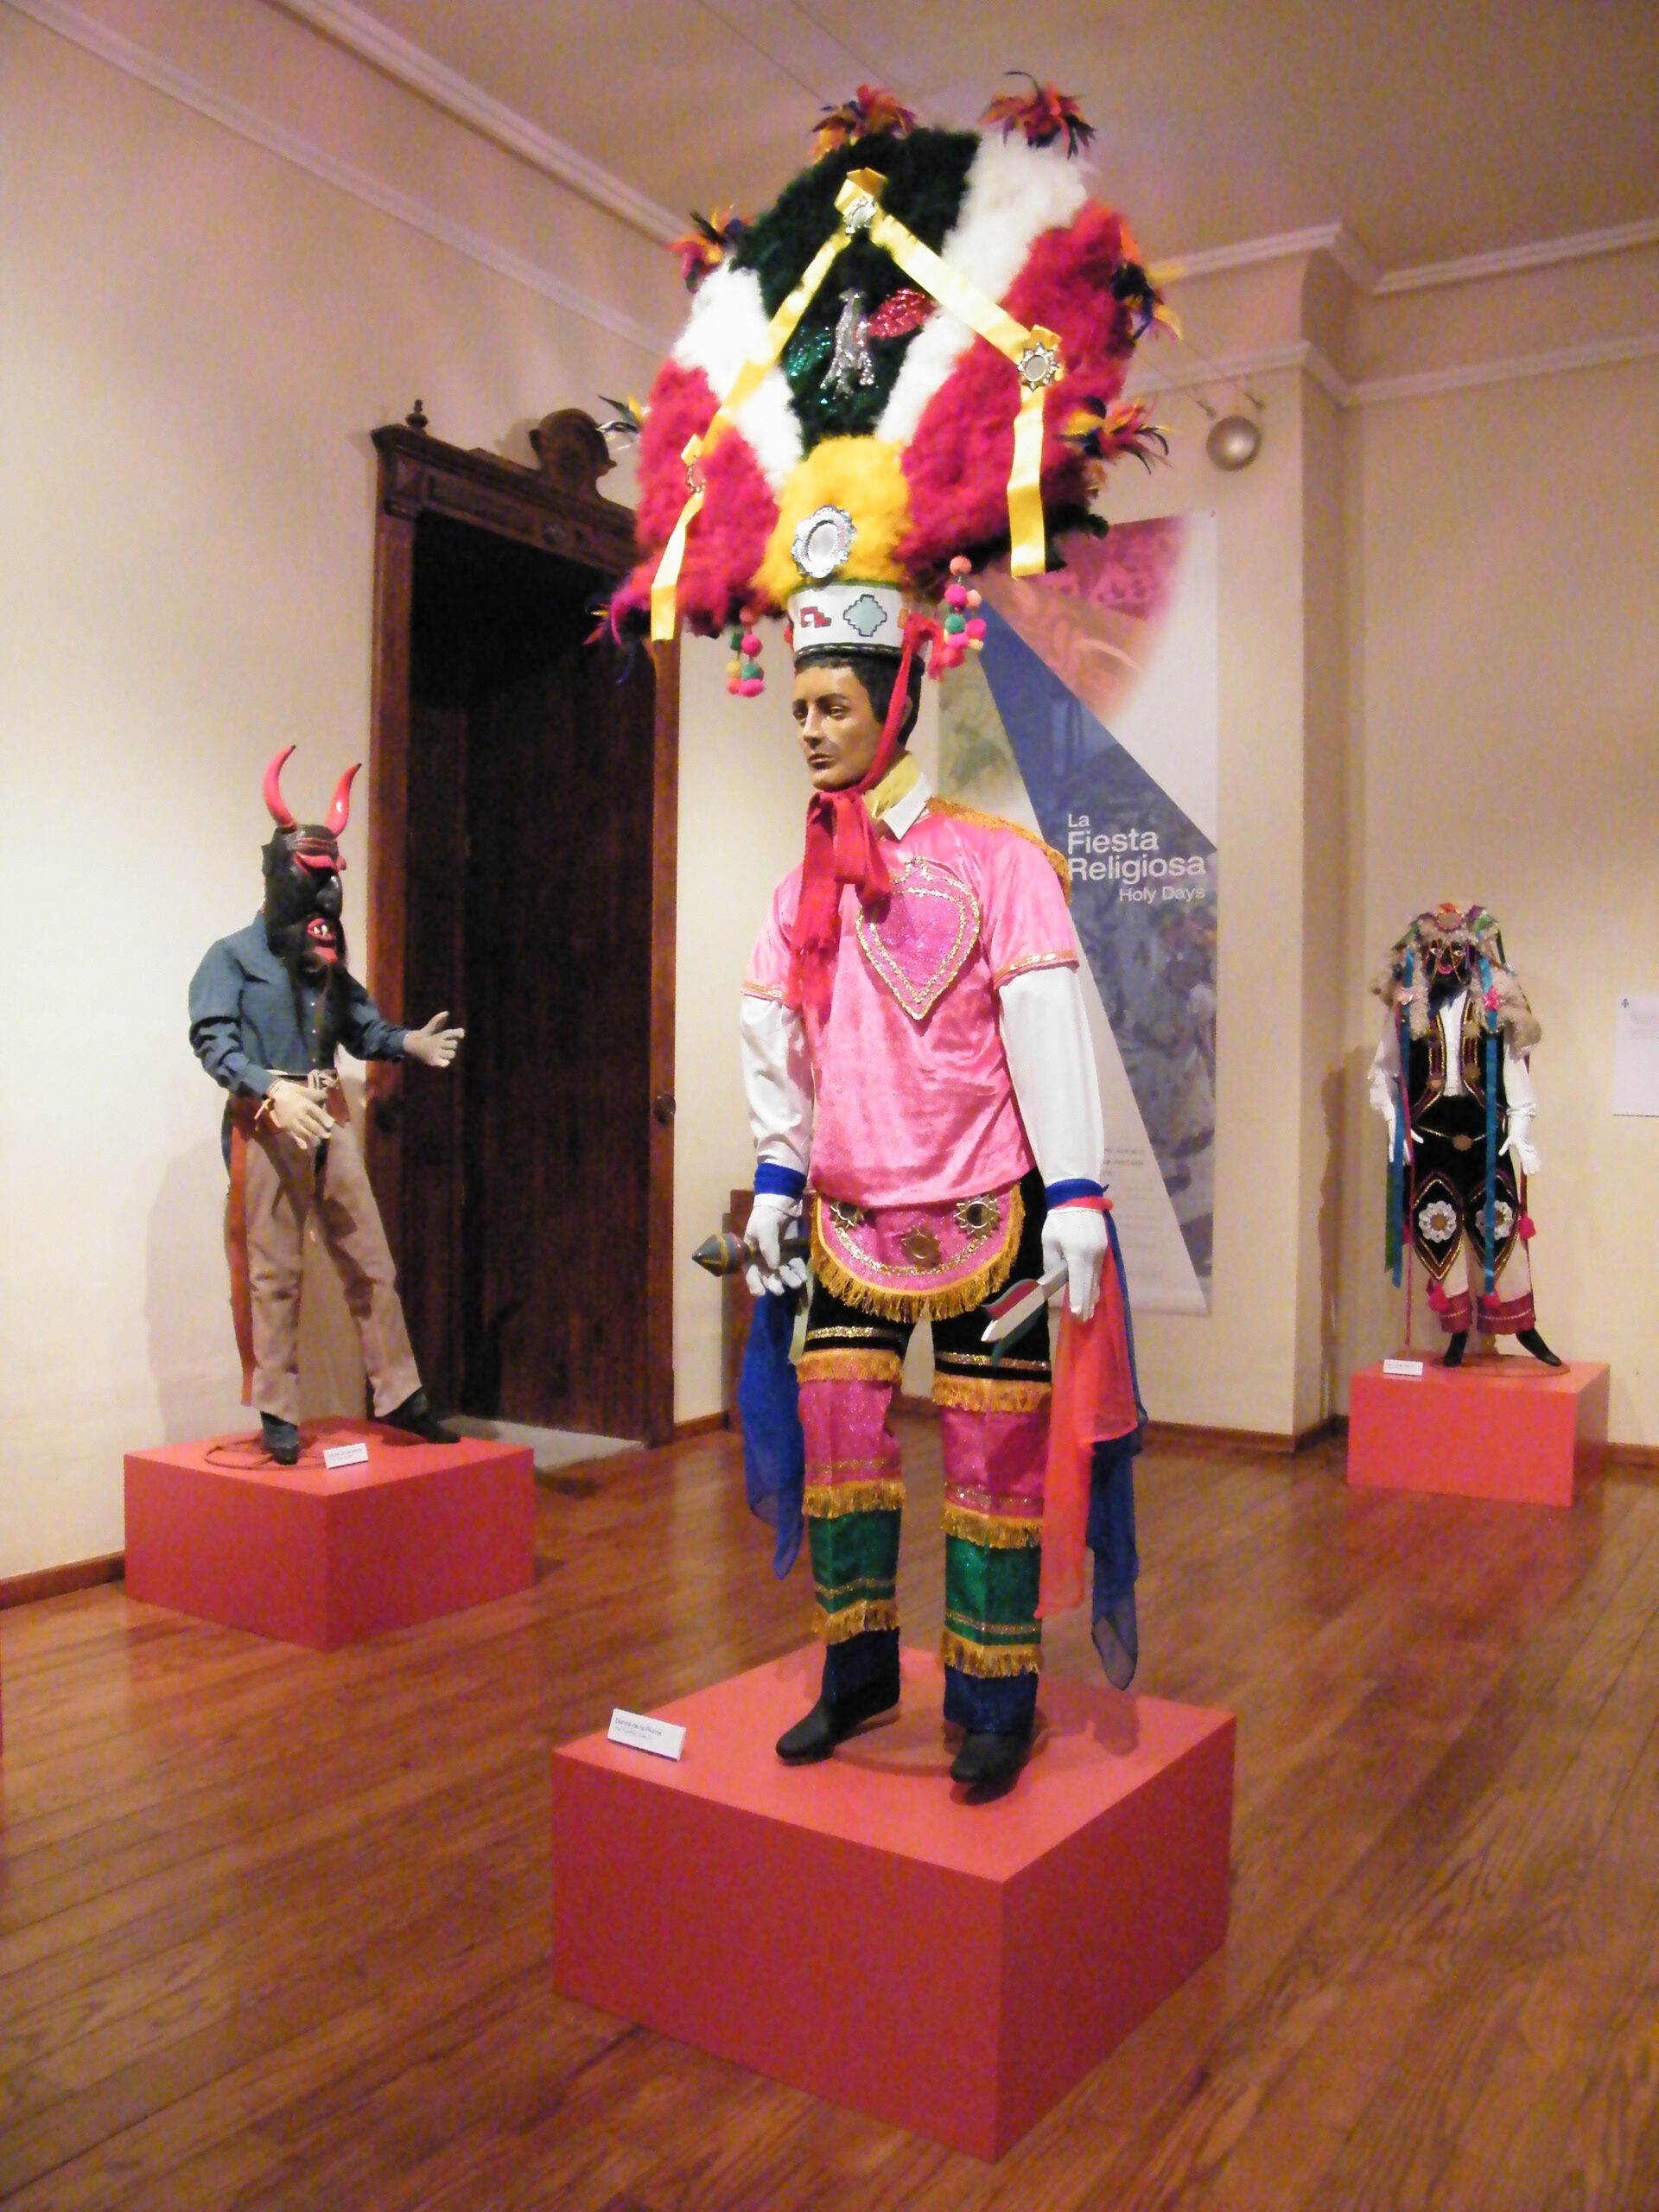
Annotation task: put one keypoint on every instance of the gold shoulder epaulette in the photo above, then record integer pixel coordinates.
(1056, 860)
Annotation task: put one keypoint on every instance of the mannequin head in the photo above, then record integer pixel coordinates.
(301, 871)
(841, 703)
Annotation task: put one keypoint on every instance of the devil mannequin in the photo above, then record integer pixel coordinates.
(269, 1008)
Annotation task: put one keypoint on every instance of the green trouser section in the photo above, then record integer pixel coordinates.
(990, 1606)
(856, 1570)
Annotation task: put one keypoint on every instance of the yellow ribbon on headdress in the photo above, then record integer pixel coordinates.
(1035, 353)
(780, 331)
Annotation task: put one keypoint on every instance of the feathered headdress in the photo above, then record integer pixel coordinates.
(1455, 942)
(918, 352)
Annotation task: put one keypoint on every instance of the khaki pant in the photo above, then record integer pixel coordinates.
(284, 1185)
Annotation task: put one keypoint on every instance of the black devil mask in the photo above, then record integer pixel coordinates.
(302, 866)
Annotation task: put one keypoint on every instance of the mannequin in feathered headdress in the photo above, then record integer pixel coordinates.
(1451, 1081)
(913, 361)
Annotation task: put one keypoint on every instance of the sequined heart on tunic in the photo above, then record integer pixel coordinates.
(922, 942)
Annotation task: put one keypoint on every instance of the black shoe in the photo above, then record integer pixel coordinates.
(415, 1418)
(986, 1766)
(1117, 1639)
(1452, 1356)
(1532, 1342)
(281, 1440)
(831, 1721)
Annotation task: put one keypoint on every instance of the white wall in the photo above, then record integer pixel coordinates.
(1506, 748)
(198, 330)
(196, 338)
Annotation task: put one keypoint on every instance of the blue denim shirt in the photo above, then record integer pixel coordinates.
(245, 1027)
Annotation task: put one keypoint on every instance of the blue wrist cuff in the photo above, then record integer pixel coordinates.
(1075, 1186)
(774, 1180)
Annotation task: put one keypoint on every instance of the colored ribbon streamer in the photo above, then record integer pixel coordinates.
(1491, 1123)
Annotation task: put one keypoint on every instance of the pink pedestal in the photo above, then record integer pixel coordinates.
(858, 1930)
(328, 1556)
(1505, 1428)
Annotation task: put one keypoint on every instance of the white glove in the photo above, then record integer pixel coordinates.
(432, 1045)
(769, 1215)
(296, 1111)
(1076, 1234)
(1519, 1145)
(1382, 1103)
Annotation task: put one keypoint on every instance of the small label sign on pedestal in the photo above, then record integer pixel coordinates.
(641, 1734)
(346, 1455)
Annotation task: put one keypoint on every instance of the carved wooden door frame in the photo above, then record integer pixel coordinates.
(557, 508)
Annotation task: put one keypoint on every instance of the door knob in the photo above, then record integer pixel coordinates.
(661, 1107)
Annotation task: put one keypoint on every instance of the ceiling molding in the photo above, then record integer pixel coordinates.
(410, 65)
(1331, 238)
(1562, 361)
(164, 77)
(1307, 359)
(1510, 260)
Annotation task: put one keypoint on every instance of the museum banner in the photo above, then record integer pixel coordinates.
(1091, 715)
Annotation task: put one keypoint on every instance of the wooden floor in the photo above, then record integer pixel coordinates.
(273, 1924)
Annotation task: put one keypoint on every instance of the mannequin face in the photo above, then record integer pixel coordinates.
(840, 734)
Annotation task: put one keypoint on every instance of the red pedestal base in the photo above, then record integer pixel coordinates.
(328, 1556)
(1503, 1428)
(859, 1930)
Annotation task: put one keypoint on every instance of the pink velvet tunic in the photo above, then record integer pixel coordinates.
(914, 1104)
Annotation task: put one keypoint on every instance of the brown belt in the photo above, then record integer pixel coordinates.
(245, 1116)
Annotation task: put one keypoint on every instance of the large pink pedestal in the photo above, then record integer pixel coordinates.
(328, 1556)
(1502, 1428)
(858, 1930)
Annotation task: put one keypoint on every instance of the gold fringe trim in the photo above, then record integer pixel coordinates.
(870, 1612)
(846, 1366)
(830, 1501)
(992, 1532)
(1056, 860)
(989, 1666)
(917, 1305)
(975, 1394)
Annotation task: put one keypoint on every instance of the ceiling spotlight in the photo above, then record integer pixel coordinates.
(1234, 441)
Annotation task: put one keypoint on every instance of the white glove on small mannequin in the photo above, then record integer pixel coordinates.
(1076, 1234)
(1384, 1101)
(296, 1111)
(432, 1045)
(1519, 1145)
(769, 1215)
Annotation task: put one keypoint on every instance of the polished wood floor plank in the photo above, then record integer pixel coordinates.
(273, 1923)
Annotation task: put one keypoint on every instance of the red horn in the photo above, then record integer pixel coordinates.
(341, 812)
(274, 799)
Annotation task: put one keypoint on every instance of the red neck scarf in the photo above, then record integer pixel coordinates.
(843, 846)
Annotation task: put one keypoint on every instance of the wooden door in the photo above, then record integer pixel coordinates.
(523, 849)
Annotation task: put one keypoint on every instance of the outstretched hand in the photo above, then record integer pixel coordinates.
(432, 1045)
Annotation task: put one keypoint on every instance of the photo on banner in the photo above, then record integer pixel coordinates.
(1091, 717)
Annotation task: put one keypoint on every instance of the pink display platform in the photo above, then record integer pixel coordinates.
(858, 1930)
(1502, 1428)
(328, 1556)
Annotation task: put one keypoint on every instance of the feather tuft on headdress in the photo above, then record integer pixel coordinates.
(869, 114)
(706, 244)
(1044, 114)
(1101, 433)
